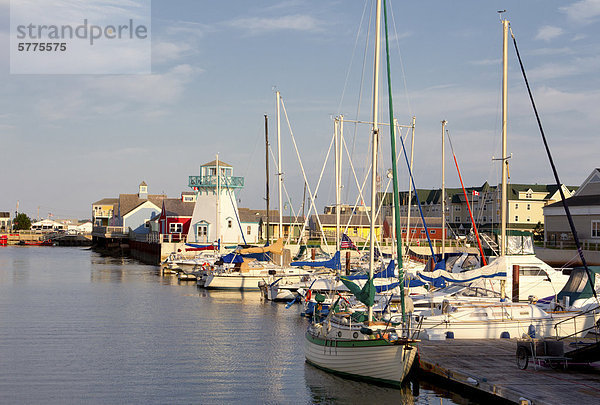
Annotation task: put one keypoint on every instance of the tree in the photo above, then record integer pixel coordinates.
(22, 222)
(538, 232)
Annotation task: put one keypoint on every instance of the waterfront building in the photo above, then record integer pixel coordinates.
(5, 223)
(136, 210)
(525, 205)
(49, 225)
(584, 206)
(417, 230)
(103, 211)
(175, 217)
(356, 226)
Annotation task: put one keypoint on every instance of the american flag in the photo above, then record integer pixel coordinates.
(347, 243)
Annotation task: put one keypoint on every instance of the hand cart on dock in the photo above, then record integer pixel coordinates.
(542, 352)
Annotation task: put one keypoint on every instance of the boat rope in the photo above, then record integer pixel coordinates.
(401, 61)
(360, 93)
(466, 199)
(237, 217)
(554, 171)
(362, 19)
(310, 193)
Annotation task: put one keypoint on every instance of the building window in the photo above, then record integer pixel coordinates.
(413, 231)
(456, 219)
(457, 208)
(175, 227)
(484, 207)
(433, 231)
(147, 224)
(229, 223)
(516, 206)
(484, 219)
(595, 229)
(528, 195)
(528, 207)
(202, 230)
(248, 230)
(528, 219)
(516, 218)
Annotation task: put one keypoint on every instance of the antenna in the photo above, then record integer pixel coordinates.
(501, 12)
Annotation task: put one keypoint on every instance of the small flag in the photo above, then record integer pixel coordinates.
(347, 243)
(475, 192)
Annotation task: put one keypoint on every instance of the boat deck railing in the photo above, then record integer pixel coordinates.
(574, 318)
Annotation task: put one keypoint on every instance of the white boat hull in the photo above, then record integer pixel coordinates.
(233, 281)
(436, 328)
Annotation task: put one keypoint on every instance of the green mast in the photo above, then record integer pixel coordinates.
(394, 168)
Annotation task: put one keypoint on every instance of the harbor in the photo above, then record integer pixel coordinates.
(81, 327)
(368, 278)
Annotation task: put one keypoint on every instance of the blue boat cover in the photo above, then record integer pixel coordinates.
(387, 273)
(334, 263)
(232, 258)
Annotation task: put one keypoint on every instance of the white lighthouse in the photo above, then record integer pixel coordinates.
(215, 214)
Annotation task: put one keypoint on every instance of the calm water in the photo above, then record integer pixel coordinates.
(77, 327)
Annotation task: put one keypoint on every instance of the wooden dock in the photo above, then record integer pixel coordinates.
(489, 367)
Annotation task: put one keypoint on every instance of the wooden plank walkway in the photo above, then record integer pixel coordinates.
(489, 366)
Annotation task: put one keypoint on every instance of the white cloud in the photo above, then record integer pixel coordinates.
(115, 94)
(556, 70)
(584, 11)
(257, 25)
(193, 30)
(549, 32)
(163, 51)
(486, 62)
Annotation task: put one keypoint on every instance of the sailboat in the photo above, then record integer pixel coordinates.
(476, 318)
(345, 343)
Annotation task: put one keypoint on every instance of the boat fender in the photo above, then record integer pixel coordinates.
(366, 331)
(339, 333)
(308, 295)
(355, 335)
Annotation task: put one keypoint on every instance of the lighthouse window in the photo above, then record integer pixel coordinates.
(229, 223)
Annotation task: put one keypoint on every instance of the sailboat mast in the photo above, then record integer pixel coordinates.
(336, 136)
(374, 146)
(267, 169)
(218, 221)
(279, 170)
(443, 197)
(503, 207)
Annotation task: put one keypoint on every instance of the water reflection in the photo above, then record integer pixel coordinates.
(85, 328)
(326, 388)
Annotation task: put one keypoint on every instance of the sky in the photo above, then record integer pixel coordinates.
(70, 140)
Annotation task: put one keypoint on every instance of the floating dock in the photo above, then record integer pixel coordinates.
(489, 367)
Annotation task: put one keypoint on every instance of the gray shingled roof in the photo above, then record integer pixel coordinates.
(177, 207)
(579, 201)
(128, 202)
(107, 201)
